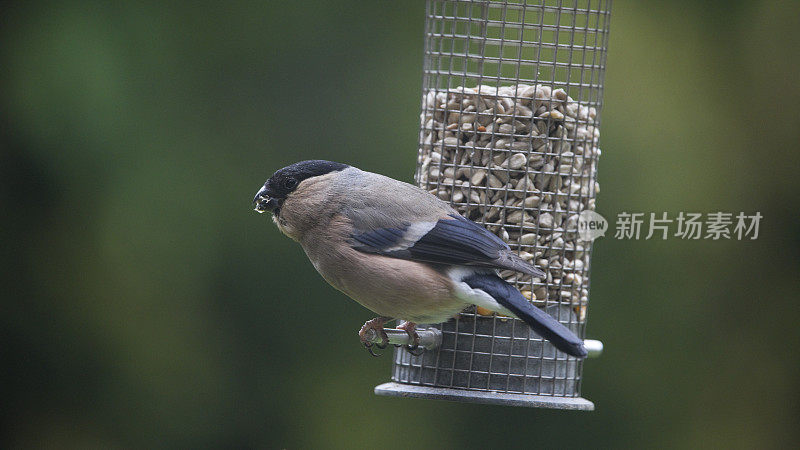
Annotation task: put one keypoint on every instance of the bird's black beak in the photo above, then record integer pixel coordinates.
(263, 202)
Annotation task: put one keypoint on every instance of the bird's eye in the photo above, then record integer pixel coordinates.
(290, 183)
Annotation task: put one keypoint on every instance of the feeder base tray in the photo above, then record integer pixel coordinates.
(489, 398)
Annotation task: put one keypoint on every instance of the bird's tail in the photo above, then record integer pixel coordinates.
(541, 322)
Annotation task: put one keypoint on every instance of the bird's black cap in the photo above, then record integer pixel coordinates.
(285, 180)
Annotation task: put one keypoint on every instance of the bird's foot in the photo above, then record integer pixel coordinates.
(375, 324)
(411, 329)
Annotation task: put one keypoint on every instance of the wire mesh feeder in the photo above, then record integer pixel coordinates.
(509, 129)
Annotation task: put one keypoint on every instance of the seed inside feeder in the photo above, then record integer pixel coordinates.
(522, 161)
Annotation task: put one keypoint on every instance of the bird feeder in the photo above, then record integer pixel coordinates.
(509, 130)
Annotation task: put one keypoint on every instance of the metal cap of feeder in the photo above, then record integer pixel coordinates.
(510, 122)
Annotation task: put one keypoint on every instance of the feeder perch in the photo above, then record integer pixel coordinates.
(509, 128)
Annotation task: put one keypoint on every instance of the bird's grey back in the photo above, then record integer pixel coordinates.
(377, 201)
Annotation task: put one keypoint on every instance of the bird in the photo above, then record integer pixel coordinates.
(400, 251)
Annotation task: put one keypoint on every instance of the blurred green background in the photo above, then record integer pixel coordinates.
(145, 305)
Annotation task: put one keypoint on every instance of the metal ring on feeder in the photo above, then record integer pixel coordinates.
(509, 133)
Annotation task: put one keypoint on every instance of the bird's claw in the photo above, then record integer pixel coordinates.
(411, 329)
(415, 350)
(368, 346)
(375, 324)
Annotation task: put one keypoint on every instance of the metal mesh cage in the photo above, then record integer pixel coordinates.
(509, 129)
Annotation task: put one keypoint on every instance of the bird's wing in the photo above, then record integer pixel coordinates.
(452, 240)
(399, 220)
